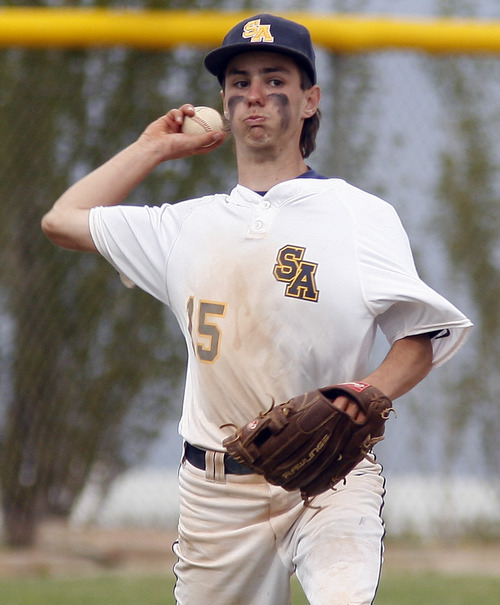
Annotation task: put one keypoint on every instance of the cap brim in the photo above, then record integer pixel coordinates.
(217, 60)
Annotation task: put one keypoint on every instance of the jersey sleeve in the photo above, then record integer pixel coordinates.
(137, 241)
(401, 302)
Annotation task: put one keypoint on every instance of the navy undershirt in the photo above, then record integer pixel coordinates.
(310, 174)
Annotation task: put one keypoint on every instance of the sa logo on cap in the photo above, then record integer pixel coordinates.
(257, 32)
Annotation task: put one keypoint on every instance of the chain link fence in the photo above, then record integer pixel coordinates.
(91, 372)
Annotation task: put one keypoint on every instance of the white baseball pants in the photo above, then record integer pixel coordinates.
(240, 540)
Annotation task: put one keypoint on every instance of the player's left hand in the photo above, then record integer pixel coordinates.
(313, 441)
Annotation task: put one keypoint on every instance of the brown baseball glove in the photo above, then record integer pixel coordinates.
(308, 443)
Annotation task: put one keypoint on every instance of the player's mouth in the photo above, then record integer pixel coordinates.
(255, 120)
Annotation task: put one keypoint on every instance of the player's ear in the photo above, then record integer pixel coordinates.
(226, 111)
(313, 96)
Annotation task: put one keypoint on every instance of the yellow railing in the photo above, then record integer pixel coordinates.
(79, 28)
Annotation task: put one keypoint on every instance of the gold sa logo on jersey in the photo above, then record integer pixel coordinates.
(297, 273)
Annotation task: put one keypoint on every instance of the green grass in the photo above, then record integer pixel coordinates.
(434, 589)
(396, 589)
(102, 590)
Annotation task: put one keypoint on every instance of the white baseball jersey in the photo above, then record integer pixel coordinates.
(275, 294)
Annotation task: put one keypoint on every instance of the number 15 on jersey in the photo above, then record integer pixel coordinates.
(204, 329)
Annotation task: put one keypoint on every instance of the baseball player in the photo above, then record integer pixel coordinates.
(278, 287)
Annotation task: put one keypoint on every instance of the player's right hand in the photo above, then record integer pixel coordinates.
(164, 136)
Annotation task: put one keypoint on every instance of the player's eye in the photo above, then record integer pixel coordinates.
(240, 84)
(275, 82)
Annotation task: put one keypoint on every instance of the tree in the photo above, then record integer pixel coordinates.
(469, 223)
(92, 367)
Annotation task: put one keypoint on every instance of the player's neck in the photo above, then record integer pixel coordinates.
(260, 174)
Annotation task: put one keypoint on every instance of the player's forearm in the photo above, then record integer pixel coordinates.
(407, 363)
(66, 224)
(112, 182)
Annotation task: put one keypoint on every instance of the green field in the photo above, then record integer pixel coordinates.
(396, 589)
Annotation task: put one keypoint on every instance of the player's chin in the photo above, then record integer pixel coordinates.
(257, 134)
(263, 143)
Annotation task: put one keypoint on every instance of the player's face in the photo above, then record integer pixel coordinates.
(264, 101)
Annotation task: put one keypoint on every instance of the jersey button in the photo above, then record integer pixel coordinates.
(258, 225)
(266, 205)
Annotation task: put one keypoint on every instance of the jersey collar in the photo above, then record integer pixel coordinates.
(309, 174)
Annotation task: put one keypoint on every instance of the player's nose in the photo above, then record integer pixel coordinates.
(256, 92)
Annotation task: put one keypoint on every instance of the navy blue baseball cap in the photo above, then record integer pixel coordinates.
(268, 33)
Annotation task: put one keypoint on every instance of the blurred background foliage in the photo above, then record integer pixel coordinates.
(91, 371)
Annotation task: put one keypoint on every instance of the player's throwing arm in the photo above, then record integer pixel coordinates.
(66, 224)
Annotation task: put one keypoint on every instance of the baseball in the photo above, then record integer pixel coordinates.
(204, 120)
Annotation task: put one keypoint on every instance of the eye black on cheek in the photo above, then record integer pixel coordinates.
(232, 102)
(282, 100)
(283, 103)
